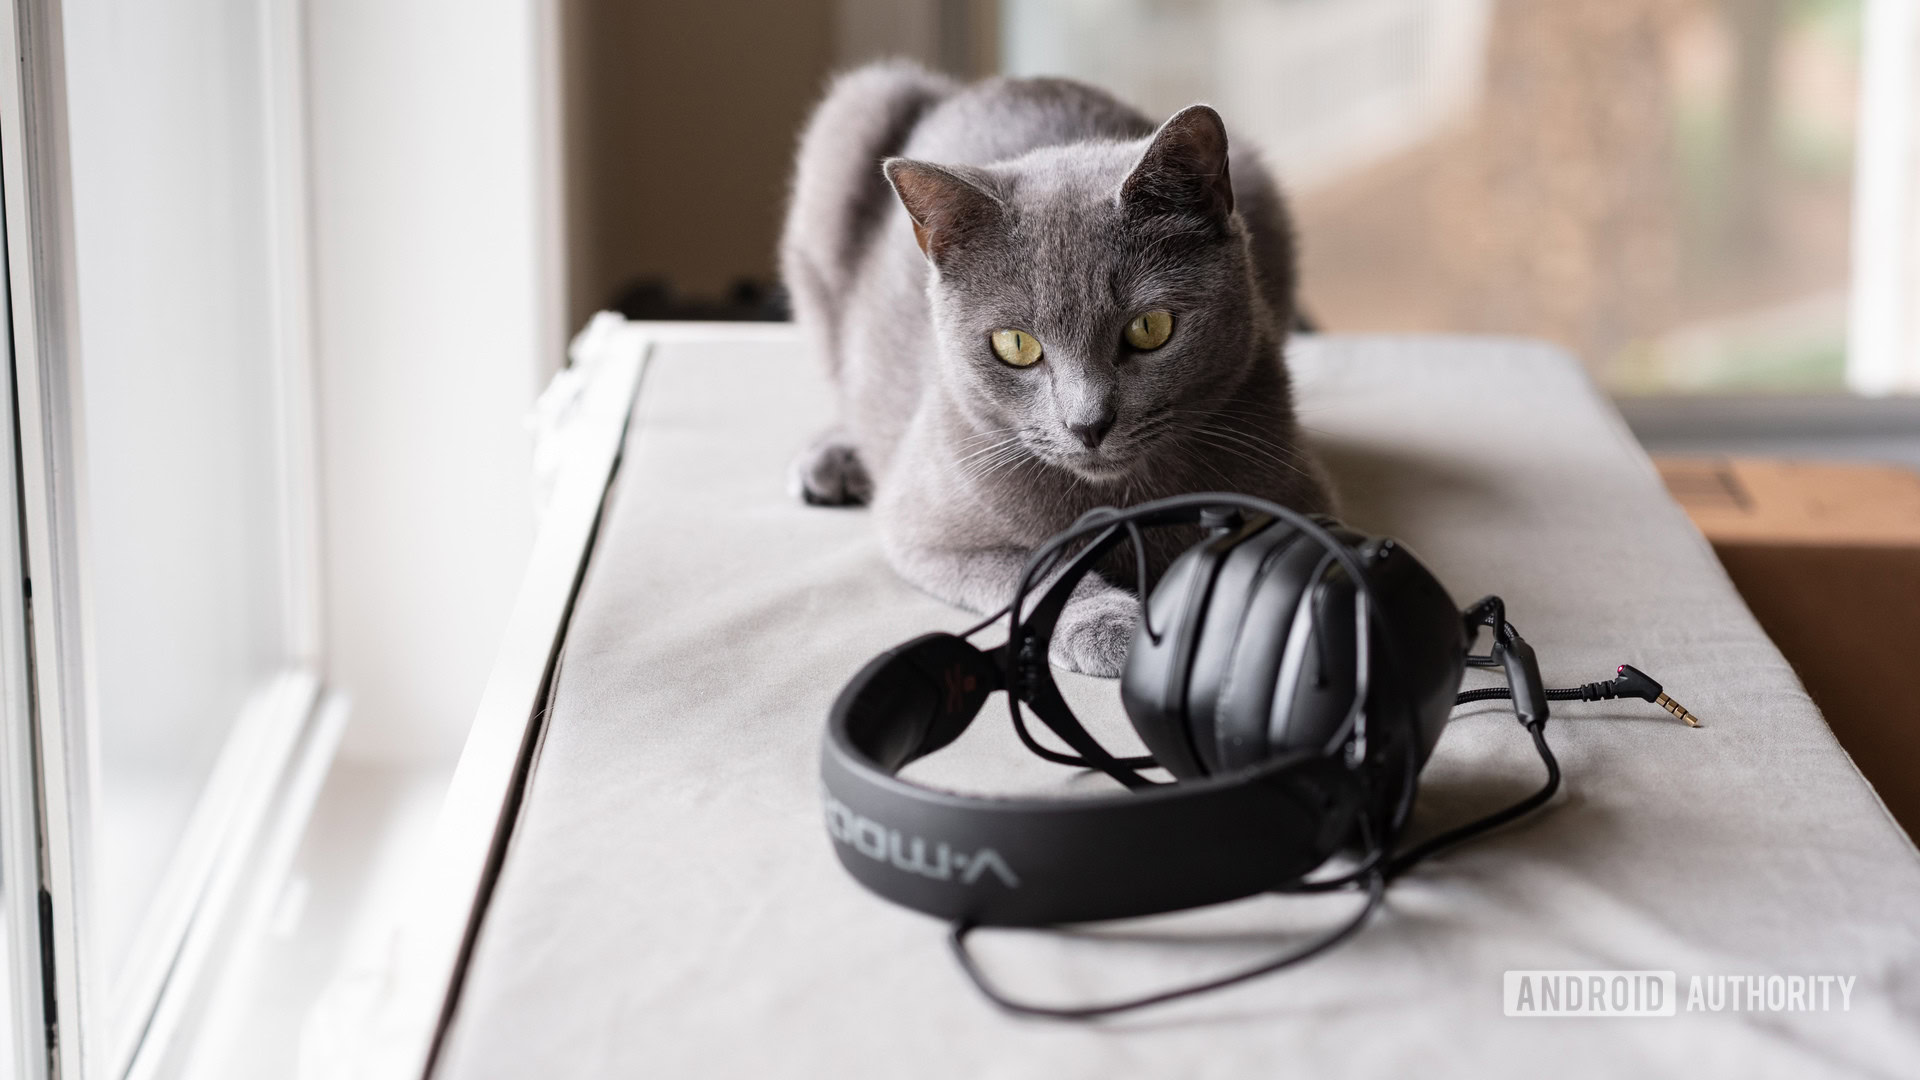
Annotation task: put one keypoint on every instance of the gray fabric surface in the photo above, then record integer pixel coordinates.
(670, 905)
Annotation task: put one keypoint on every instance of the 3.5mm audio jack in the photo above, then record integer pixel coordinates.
(1628, 681)
(1677, 709)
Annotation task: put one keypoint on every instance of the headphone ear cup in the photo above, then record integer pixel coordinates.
(1153, 685)
(1262, 653)
(1311, 694)
(1248, 648)
(1174, 674)
(1226, 713)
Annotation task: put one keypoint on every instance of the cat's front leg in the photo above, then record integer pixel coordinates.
(1095, 628)
(829, 472)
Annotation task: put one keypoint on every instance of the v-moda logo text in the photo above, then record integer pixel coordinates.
(913, 854)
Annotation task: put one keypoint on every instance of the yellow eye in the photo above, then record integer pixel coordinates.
(1150, 331)
(1016, 347)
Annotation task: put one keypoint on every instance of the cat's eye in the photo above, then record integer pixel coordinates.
(1150, 331)
(1016, 347)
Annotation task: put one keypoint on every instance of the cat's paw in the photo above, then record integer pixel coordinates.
(830, 473)
(1095, 632)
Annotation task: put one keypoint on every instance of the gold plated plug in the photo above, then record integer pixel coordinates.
(1677, 709)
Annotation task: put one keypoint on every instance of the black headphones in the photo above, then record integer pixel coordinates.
(1292, 676)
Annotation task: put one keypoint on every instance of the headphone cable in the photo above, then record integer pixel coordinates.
(1376, 871)
(1380, 864)
(1404, 861)
(957, 941)
(1628, 681)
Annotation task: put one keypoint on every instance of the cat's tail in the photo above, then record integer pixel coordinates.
(839, 196)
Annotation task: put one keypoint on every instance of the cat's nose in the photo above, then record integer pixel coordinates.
(1093, 429)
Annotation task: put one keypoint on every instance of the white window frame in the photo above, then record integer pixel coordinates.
(21, 866)
(442, 916)
(120, 1024)
(1883, 332)
(589, 409)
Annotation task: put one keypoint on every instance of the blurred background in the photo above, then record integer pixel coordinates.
(1662, 186)
(308, 264)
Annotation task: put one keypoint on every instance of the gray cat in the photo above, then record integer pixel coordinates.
(1055, 307)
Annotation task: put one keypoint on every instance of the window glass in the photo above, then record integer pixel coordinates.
(184, 552)
(1661, 185)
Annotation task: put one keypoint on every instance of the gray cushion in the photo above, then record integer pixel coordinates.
(670, 905)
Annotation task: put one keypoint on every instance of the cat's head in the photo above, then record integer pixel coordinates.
(1089, 299)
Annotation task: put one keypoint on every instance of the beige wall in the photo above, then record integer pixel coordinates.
(681, 119)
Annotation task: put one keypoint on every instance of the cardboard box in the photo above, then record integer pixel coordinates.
(1828, 557)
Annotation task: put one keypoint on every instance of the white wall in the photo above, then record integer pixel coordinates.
(1883, 332)
(435, 324)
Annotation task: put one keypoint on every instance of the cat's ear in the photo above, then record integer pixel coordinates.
(947, 207)
(1184, 170)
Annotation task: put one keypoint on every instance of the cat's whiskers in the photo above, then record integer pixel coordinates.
(1209, 424)
(982, 472)
(1188, 457)
(1188, 440)
(1268, 449)
(1248, 452)
(988, 434)
(984, 459)
(1009, 453)
(1009, 471)
(989, 450)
